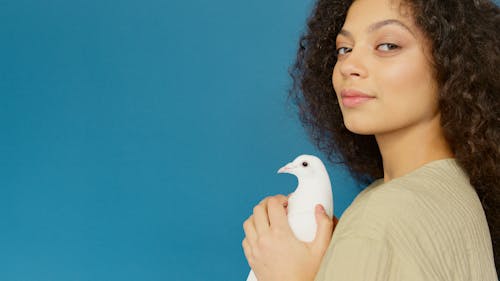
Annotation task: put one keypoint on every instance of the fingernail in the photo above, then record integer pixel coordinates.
(320, 209)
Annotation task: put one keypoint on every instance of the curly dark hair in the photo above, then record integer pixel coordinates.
(465, 39)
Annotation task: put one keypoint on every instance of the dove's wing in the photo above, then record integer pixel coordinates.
(303, 225)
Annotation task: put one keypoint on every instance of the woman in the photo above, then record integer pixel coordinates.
(414, 110)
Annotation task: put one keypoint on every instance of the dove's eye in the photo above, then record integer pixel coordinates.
(305, 164)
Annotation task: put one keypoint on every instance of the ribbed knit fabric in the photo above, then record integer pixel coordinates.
(426, 225)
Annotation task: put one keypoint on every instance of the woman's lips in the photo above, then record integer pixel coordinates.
(352, 98)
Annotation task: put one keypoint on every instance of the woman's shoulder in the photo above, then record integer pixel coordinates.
(443, 173)
(436, 182)
(431, 194)
(431, 217)
(439, 187)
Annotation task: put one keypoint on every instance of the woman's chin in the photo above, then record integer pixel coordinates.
(360, 129)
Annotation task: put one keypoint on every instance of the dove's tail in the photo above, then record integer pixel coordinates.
(251, 276)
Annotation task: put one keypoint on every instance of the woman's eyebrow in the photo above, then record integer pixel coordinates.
(377, 25)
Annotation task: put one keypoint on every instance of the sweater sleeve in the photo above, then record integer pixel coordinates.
(357, 259)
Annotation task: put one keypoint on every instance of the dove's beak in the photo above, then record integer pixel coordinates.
(286, 169)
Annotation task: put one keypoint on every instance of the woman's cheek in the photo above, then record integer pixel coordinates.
(335, 79)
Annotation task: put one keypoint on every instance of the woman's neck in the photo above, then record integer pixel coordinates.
(409, 148)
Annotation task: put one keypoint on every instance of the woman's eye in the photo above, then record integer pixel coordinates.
(387, 47)
(343, 51)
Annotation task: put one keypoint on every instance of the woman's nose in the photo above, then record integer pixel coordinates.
(353, 64)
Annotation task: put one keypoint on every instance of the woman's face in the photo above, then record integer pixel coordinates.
(382, 54)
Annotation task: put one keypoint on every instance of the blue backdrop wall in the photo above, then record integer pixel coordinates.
(136, 136)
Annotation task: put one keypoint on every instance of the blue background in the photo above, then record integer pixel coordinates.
(136, 136)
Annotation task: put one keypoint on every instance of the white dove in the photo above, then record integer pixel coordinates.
(313, 188)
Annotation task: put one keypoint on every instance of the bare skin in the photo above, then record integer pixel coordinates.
(398, 160)
(383, 54)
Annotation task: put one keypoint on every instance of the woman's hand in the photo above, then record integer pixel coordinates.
(271, 249)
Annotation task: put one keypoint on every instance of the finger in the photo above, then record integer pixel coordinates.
(324, 230)
(277, 212)
(280, 197)
(247, 250)
(250, 232)
(260, 218)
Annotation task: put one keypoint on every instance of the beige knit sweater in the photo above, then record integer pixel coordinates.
(426, 225)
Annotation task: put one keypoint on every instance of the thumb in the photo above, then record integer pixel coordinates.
(324, 230)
